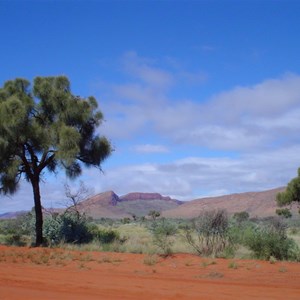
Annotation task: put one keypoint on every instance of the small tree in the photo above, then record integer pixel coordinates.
(284, 212)
(291, 194)
(74, 198)
(208, 233)
(241, 216)
(154, 214)
(46, 128)
(163, 232)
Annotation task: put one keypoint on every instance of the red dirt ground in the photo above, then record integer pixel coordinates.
(61, 274)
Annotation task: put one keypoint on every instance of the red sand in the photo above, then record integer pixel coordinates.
(60, 274)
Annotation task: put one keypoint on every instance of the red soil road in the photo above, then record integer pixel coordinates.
(31, 274)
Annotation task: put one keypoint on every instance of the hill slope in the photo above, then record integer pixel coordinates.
(110, 205)
(257, 204)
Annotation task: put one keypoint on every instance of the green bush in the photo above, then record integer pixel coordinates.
(75, 229)
(270, 240)
(52, 229)
(22, 225)
(284, 212)
(107, 236)
(163, 232)
(241, 217)
(68, 227)
(14, 240)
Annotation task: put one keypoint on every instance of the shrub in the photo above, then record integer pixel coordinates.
(163, 232)
(153, 214)
(271, 240)
(208, 234)
(240, 217)
(75, 229)
(14, 240)
(52, 229)
(106, 236)
(284, 212)
(22, 225)
(68, 227)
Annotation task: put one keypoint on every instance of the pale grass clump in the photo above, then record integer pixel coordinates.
(151, 259)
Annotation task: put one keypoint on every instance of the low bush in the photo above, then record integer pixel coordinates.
(163, 232)
(106, 236)
(14, 240)
(241, 217)
(68, 228)
(208, 234)
(270, 240)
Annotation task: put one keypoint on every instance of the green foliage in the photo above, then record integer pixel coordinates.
(75, 230)
(106, 236)
(52, 229)
(73, 227)
(46, 127)
(68, 228)
(208, 234)
(18, 231)
(126, 220)
(242, 216)
(270, 240)
(284, 212)
(163, 232)
(291, 194)
(154, 214)
(14, 240)
(22, 225)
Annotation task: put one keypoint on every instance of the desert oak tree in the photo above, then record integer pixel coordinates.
(45, 128)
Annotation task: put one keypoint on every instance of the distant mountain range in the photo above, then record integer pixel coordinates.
(110, 205)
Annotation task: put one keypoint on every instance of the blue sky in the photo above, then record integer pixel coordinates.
(200, 97)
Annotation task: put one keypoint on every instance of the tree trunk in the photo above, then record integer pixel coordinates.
(38, 212)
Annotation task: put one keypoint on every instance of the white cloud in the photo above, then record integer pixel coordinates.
(243, 118)
(148, 148)
(270, 98)
(142, 69)
(193, 177)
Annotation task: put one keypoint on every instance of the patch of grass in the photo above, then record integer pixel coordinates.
(87, 257)
(204, 264)
(150, 260)
(213, 275)
(272, 260)
(107, 259)
(282, 269)
(232, 265)
(188, 263)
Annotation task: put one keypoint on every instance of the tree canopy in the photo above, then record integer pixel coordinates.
(45, 128)
(291, 194)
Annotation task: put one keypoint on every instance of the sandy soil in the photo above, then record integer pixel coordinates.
(60, 274)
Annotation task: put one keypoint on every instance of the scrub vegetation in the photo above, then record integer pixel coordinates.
(212, 234)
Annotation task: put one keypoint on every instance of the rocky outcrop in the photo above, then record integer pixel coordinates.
(144, 196)
(106, 198)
